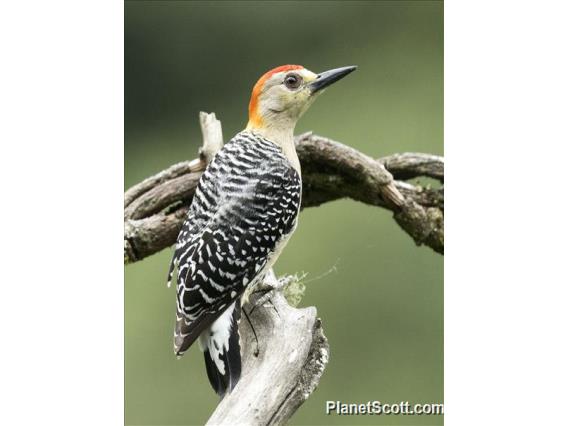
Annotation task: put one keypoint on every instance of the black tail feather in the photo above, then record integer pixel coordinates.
(231, 359)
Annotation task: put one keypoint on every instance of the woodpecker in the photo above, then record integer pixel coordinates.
(244, 210)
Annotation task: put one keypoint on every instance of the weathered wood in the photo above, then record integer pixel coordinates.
(212, 136)
(409, 165)
(330, 171)
(281, 372)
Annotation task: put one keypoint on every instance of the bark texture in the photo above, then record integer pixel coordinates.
(154, 209)
(280, 371)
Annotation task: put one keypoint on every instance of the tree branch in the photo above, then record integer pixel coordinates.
(155, 208)
(412, 164)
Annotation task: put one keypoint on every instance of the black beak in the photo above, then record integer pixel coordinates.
(327, 78)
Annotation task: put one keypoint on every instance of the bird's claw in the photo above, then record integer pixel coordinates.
(270, 286)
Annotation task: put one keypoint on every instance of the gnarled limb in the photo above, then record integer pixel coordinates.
(330, 170)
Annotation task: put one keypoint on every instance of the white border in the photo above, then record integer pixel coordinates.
(505, 269)
(62, 172)
(61, 133)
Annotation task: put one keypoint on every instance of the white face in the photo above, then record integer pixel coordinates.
(286, 96)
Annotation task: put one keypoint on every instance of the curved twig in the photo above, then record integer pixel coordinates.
(155, 208)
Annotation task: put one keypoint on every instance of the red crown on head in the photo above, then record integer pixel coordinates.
(257, 89)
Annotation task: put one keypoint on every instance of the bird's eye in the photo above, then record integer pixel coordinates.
(293, 81)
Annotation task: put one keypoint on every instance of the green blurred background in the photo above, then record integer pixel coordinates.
(382, 309)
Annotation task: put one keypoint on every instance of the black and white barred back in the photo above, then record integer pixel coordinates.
(244, 209)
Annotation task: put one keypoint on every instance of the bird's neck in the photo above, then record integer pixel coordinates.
(281, 135)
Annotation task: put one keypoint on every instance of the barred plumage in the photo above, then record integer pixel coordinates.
(245, 206)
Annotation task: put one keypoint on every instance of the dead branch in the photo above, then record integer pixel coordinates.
(155, 208)
(281, 372)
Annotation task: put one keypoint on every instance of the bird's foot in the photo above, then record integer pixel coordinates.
(270, 286)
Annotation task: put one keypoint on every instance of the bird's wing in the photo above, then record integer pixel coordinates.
(216, 263)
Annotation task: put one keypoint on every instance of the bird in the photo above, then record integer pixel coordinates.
(243, 212)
